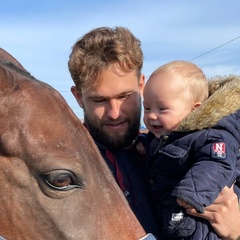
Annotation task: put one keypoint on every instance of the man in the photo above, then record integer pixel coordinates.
(105, 65)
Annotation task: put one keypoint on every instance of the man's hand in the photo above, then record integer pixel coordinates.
(223, 214)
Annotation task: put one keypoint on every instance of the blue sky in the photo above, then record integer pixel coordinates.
(40, 34)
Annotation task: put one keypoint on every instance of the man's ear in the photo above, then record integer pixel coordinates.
(78, 95)
(141, 84)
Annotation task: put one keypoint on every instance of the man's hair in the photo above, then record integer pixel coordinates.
(98, 49)
(192, 76)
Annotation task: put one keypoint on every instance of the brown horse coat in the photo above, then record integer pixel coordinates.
(54, 182)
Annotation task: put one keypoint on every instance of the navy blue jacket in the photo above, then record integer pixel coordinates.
(196, 162)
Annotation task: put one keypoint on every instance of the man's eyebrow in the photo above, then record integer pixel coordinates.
(97, 96)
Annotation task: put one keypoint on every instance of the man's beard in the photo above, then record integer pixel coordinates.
(115, 141)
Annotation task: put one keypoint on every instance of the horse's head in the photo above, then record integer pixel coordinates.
(54, 182)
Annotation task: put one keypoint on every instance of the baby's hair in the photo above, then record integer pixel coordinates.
(191, 74)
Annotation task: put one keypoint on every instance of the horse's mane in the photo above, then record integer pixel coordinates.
(15, 68)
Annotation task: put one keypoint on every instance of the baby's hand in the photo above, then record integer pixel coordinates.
(140, 148)
(223, 214)
(183, 204)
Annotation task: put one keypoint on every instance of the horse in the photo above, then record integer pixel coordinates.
(54, 182)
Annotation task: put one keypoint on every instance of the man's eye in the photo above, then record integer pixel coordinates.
(99, 100)
(123, 97)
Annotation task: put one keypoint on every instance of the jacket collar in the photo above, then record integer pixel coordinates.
(224, 93)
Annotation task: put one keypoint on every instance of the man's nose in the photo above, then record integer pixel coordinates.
(114, 109)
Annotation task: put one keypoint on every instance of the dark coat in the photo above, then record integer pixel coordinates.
(127, 167)
(196, 161)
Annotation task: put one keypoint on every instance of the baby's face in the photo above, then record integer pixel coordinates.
(166, 103)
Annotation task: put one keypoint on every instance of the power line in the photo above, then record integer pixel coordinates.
(214, 49)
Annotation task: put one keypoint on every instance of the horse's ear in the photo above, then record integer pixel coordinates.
(8, 57)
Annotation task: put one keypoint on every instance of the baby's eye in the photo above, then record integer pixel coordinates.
(162, 108)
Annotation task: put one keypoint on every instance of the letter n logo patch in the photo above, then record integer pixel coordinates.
(219, 150)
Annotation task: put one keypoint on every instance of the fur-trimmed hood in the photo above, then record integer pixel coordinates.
(224, 99)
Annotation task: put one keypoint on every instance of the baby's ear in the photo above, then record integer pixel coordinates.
(196, 105)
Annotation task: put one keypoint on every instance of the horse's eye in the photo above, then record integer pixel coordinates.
(62, 180)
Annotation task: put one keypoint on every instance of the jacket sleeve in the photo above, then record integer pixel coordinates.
(213, 168)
